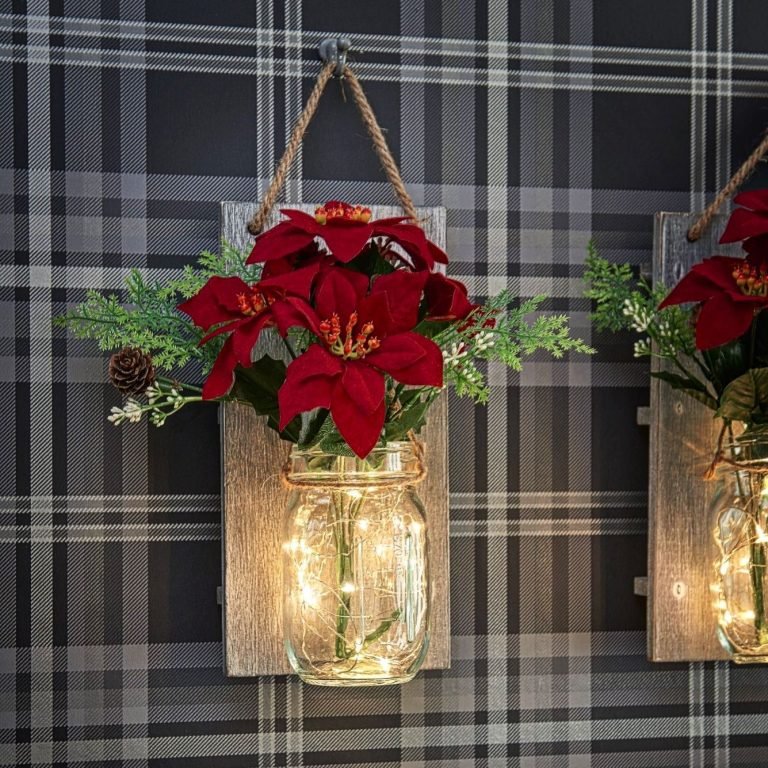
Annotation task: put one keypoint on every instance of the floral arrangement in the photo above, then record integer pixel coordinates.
(371, 332)
(711, 326)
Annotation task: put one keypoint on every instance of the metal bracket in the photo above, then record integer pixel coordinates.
(335, 49)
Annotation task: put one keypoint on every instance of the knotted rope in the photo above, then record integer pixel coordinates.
(738, 178)
(259, 218)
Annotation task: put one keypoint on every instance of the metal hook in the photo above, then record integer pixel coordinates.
(335, 50)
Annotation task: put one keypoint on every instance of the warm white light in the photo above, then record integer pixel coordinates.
(353, 493)
(415, 528)
(347, 587)
(362, 524)
(725, 567)
(722, 605)
(727, 618)
(762, 537)
(309, 596)
(380, 550)
(747, 615)
(384, 664)
(744, 562)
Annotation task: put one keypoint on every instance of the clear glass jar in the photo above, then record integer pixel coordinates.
(740, 508)
(356, 576)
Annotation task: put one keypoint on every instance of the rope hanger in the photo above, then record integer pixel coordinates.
(738, 178)
(334, 53)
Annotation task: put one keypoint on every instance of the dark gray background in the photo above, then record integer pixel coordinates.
(537, 124)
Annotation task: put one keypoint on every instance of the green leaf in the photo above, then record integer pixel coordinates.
(370, 262)
(258, 385)
(746, 398)
(690, 386)
(727, 363)
(410, 418)
(314, 423)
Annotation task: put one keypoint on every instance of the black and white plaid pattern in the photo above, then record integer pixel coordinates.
(538, 124)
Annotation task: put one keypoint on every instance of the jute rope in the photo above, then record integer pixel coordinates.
(257, 221)
(256, 224)
(738, 178)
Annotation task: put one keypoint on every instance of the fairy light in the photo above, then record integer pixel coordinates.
(761, 537)
(747, 615)
(725, 566)
(309, 596)
(380, 632)
(727, 617)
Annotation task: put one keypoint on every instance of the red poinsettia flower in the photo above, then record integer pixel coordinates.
(731, 292)
(230, 305)
(447, 299)
(362, 335)
(345, 229)
(750, 220)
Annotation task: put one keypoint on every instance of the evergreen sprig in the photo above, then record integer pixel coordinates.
(145, 316)
(498, 332)
(624, 302)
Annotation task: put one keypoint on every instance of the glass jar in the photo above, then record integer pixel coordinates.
(740, 509)
(356, 577)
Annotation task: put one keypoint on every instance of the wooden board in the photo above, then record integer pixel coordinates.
(681, 549)
(253, 502)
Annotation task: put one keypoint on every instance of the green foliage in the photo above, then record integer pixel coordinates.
(609, 286)
(258, 386)
(147, 318)
(746, 398)
(623, 302)
(497, 332)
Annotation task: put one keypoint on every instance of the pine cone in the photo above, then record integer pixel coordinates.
(131, 371)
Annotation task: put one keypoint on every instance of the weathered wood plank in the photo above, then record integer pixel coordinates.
(681, 550)
(253, 500)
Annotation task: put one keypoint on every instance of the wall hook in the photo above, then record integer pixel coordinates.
(335, 49)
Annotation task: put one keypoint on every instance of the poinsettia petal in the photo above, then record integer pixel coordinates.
(710, 277)
(339, 290)
(447, 299)
(245, 337)
(411, 239)
(358, 389)
(438, 254)
(345, 239)
(284, 239)
(757, 250)
(302, 221)
(722, 320)
(403, 290)
(409, 358)
(309, 383)
(297, 282)
(743, 224)
(291, 312)
(754, 199)
(226, 328)
(216, 302)
(222, 375)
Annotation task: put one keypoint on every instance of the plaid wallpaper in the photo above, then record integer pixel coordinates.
(538, 124)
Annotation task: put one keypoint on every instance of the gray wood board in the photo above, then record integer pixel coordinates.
(253, 503)
(681, 549)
